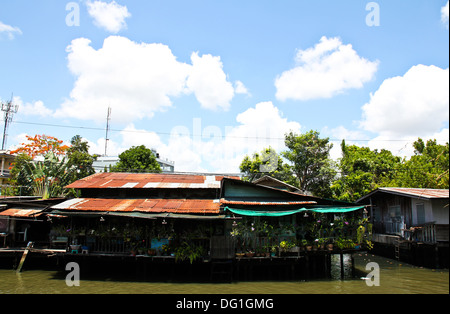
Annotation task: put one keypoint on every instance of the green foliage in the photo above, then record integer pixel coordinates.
(359, 171)
(137, 159)
(79, 157)
(310, 162)
(188, 251)
(267, 162)
(428, 168)
(47, 178)
(21, 183)
(44, 178)
(362, 171)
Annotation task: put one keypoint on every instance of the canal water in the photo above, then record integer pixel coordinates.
(394, 278)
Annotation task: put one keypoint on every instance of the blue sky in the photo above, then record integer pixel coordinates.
(207, 82)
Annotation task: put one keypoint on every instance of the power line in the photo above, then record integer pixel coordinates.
(200, 135)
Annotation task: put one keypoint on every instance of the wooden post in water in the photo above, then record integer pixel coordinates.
(24, 256)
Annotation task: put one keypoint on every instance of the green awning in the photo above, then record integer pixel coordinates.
(261, 213)
(335, 210)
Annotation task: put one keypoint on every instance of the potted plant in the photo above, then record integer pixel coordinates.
(249, 253)
(188, 251)
(330, 245)
(165, 250)
(308, 245)
(273, 250)
(315, 245)
(321, 243)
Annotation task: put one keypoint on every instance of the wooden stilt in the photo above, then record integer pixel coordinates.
(24, 256)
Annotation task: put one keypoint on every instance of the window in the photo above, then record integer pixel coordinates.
(4, 225)
(395, 224)
(420, 211)
(394, 212)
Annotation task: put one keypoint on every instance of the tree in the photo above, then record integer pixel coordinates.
(310, 162)
(362, 170)
(40, 145)
(20, 183)
(137, 159)
(61, 166)
(428, 168)
(79, 157)
(45, 178)
(267, 162)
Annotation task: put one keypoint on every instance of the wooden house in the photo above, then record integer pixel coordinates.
(23, 219)
(159, 224)
(409, 216)
(121, 212)
(124, 212)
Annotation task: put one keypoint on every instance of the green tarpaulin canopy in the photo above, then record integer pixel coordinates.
(261, 213)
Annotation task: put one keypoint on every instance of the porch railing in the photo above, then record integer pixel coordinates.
(422, 233)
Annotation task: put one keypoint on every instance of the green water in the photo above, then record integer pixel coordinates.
(394, 277)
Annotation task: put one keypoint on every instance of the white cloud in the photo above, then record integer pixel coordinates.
(258, 128)
(209, 83)
(18, 140)
(444, 14)
(240, 88)
(415, 104)
(109, 16)
(135, 80)
(138, 79)
(323, 71)
(403, 146)
(209, 148)
(407, 107)
(35, 108)
(9, 30)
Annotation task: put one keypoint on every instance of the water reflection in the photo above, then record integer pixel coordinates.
(395, 277)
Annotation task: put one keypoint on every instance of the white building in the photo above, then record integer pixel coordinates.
(107, 161)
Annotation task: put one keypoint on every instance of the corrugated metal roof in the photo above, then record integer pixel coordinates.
(182, 206)
(148, 180)
(425, 193)
(410, 192)
(20, 212)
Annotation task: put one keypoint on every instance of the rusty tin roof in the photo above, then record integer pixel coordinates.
(425, 193)
(21, 213)
(147, 180)
(411, 192)
(179, 206)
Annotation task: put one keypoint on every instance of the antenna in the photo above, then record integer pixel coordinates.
(9, 109)
(107, 130)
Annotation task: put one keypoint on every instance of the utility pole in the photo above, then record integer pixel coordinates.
(9, 109)
(108, 118)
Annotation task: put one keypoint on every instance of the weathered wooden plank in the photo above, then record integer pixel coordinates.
(24, 256)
